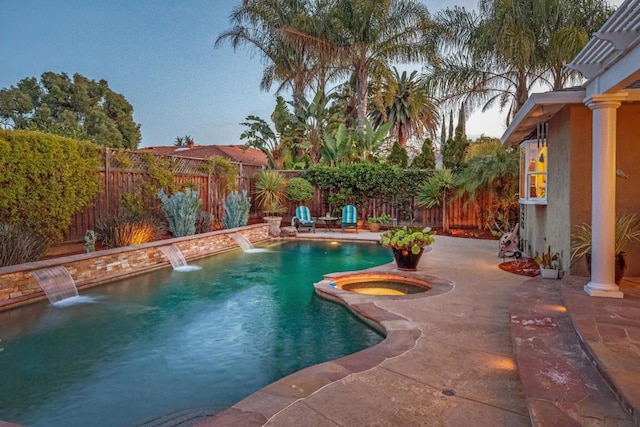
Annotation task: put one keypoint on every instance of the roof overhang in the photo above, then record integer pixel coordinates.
(539, 108)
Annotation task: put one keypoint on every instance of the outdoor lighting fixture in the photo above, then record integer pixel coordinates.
(556, 307)
(503, 363)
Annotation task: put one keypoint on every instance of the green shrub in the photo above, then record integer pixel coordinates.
(45, 180)
(124, 229)
(19, 245)
(299, 190)
(236, 210)
(204, 222)
(132, 203)
(181, 211)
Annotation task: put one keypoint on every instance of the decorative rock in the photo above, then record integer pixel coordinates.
(288, 232)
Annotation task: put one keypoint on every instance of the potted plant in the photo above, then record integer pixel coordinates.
(627, 229)
(407, 244)
(549, 264)
(375, 222)
(270, 195)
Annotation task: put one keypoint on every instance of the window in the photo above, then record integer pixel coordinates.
(533, 172)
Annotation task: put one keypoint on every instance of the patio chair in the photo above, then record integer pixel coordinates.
(349, 217)
(304, 219)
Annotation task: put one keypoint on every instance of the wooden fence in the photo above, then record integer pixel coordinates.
(125, 172)
(461, 213)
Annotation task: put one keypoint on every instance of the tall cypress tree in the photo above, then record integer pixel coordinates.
(462, 125)
(450, 124)
(443, 134)
(427, 158)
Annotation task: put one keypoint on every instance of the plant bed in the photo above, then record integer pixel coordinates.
(466, 233)
(523, 267)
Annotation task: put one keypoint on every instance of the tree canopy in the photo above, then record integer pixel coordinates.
(77, 108)
(495, 56)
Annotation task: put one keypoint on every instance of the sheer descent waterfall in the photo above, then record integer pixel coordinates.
(56, 282)
(243, 242)
(175, 256)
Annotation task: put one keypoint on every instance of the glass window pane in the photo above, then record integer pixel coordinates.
(533, 158)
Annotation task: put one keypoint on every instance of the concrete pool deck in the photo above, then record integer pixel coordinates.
(450, 359)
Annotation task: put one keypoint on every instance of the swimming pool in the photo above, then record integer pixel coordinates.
(166, 341)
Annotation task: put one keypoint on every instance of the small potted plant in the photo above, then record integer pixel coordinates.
(376, 222)
(549, 264)
(407, 244)
(627, 229)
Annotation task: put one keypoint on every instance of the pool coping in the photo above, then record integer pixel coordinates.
(400, 333)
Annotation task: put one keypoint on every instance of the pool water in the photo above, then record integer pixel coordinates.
(168, 341)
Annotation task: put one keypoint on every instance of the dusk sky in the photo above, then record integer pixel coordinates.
(160, 56)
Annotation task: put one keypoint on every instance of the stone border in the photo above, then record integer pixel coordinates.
(561, 384)
(18, 288)
(400, 334)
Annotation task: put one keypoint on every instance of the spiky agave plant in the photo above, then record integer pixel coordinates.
(270, 191)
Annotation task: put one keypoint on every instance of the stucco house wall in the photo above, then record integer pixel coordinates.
(569, 183)
(546, 225)
(628, 160)
(580, 185)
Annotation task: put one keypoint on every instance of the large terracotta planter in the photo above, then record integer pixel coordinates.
(620, 268)
(407, 260)
(374, 226)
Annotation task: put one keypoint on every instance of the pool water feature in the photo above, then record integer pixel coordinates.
(56, 282)
(166, 341)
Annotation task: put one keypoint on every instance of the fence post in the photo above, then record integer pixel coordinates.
(107, 179)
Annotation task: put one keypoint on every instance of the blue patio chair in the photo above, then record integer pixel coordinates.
(304, 218)
(349, 217)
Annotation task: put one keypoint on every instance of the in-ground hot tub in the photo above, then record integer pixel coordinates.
(379, 283)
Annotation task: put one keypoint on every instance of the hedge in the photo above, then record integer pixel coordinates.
(45, 180)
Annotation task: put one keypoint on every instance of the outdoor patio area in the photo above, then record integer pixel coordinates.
(497, 349)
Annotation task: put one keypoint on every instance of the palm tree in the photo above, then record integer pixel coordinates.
(435, 191)
(498, 54)
(363, 36)
(256, 24)
(407, 105)
(566, 28)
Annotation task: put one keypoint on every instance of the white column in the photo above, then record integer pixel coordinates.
(603, 198)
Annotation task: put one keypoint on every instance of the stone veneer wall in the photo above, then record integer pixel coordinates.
(17, 287)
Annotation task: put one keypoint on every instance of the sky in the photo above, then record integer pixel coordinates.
(160, 55)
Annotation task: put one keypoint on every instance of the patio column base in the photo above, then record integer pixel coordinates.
(601, 290)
